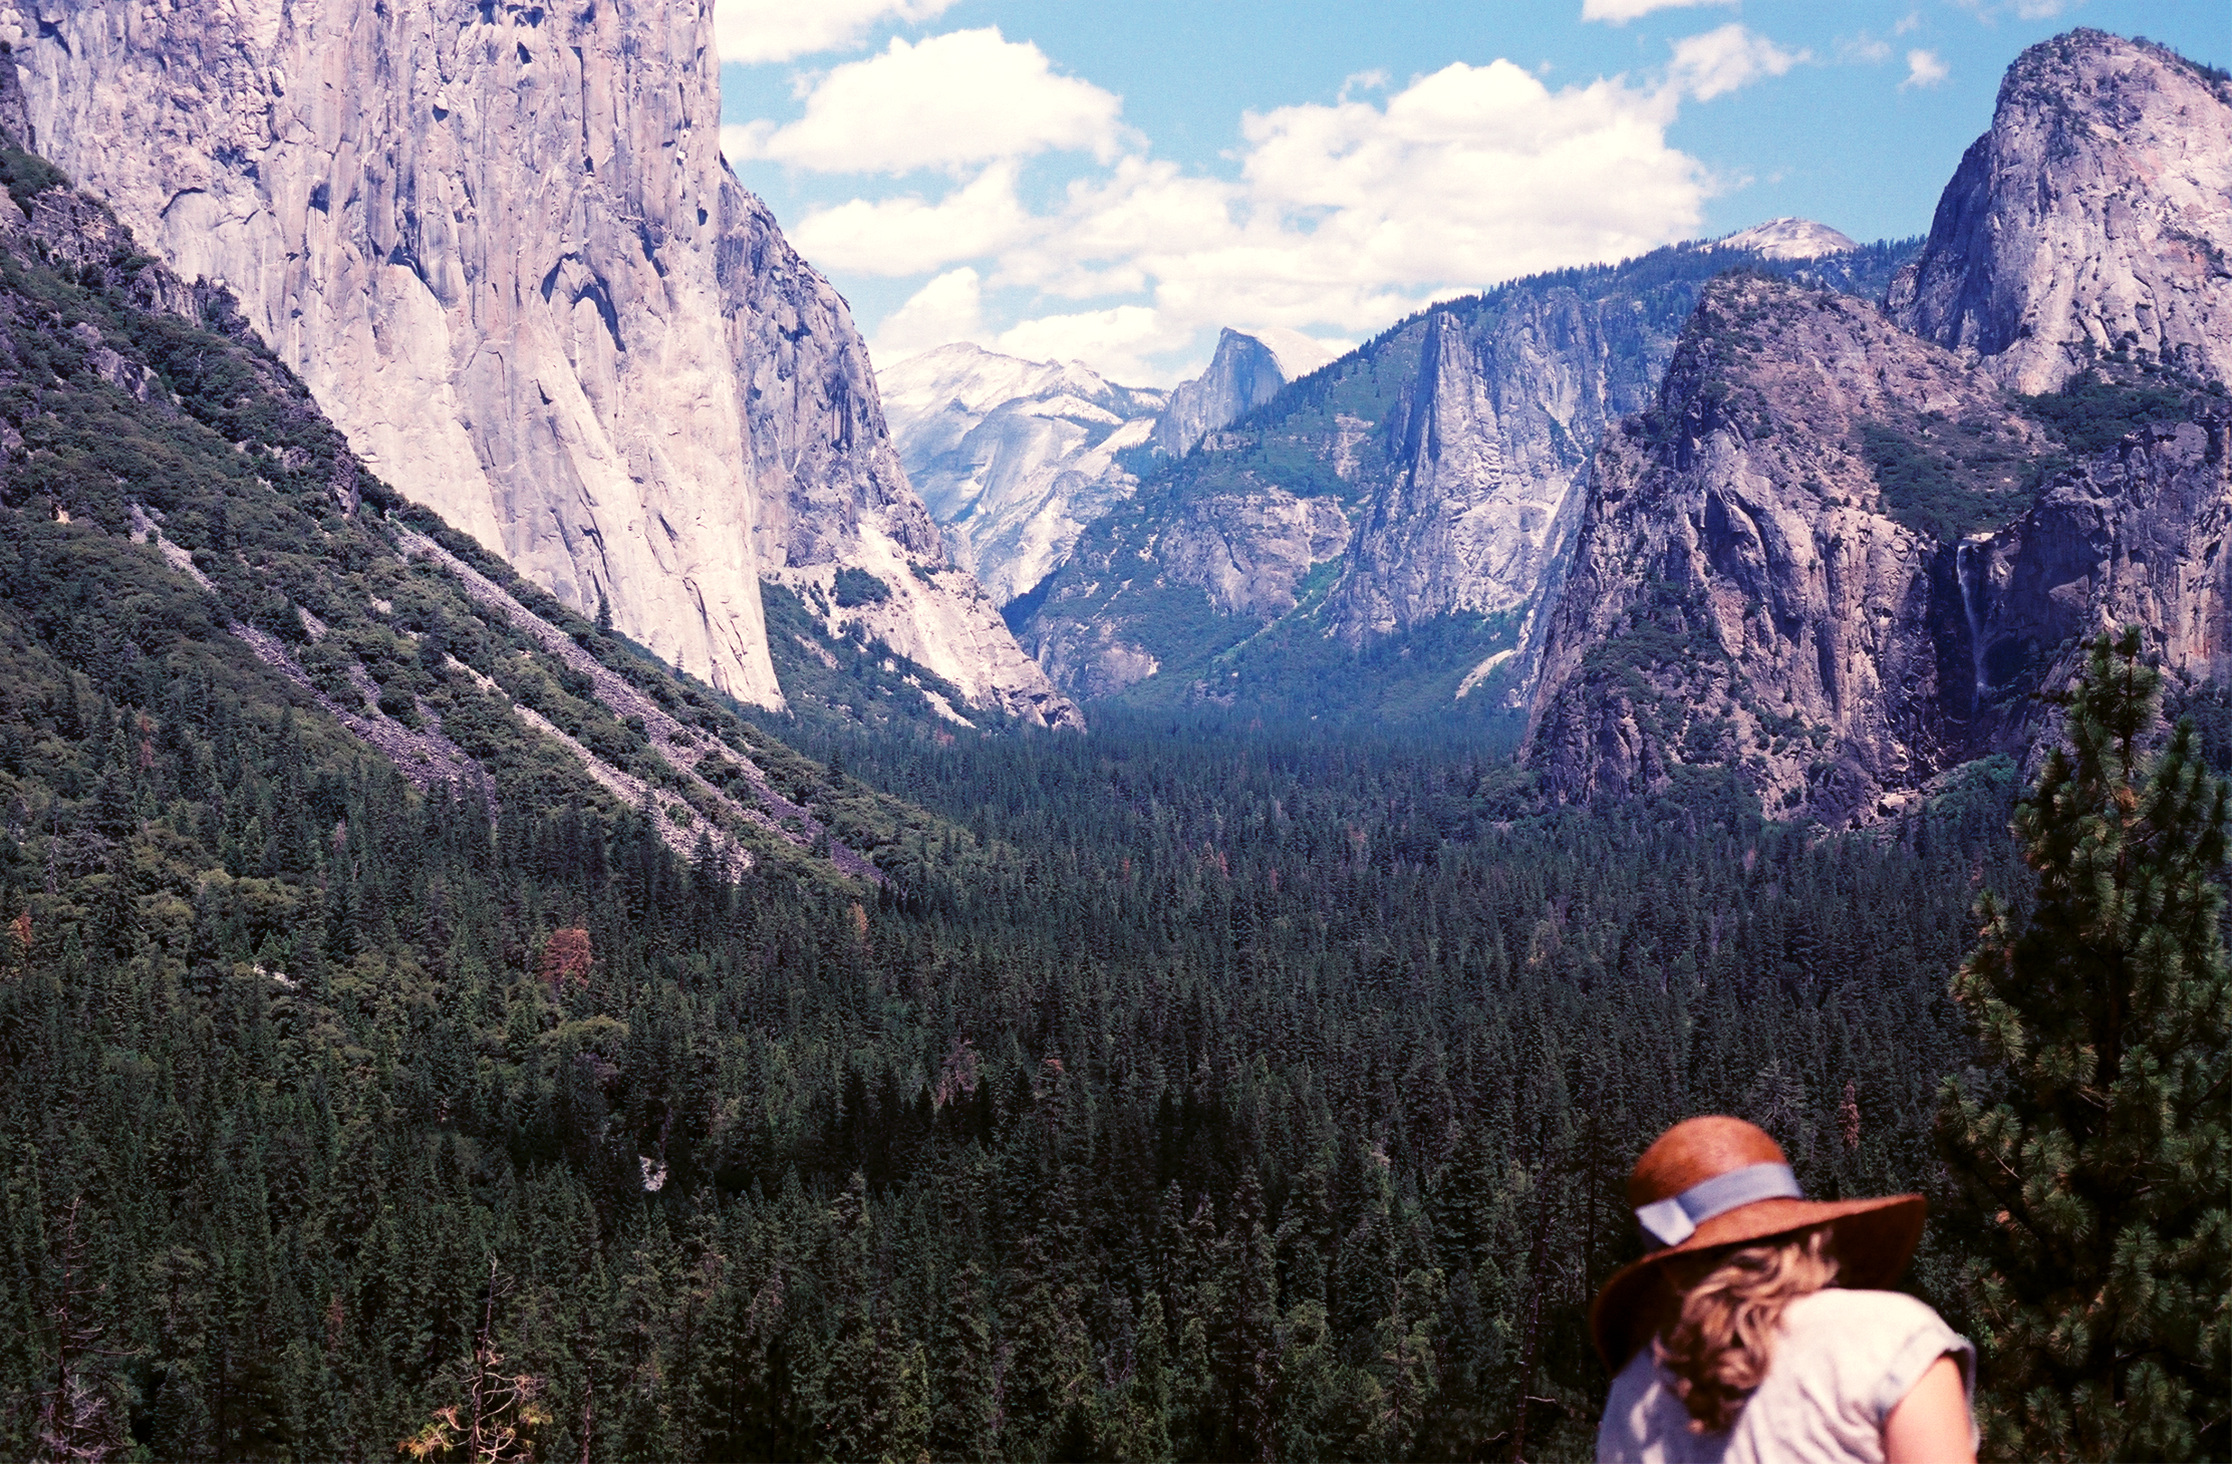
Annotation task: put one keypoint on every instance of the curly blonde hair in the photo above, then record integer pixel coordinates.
(1719, 1343)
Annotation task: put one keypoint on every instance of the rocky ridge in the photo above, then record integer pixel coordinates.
(1841, 558)
(1420, 493)
(2094, 217)
(1788, 238)
(1013, 458)
(622, 379)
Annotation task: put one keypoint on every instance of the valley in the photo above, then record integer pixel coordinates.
(587, 872)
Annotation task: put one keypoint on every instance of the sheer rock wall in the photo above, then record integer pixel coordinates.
(501, 246)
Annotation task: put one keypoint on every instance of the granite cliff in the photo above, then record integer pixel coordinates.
(2094, 217)
(1247, 370)
(1013, 458)
(1842, 558)
(503, 250)
(1381, 537)
(1755, 584)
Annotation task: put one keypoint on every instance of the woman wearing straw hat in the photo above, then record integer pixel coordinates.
(1749, 1332)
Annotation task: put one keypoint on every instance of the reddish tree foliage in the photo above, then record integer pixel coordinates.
(566, 956)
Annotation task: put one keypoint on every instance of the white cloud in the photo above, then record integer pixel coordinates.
(1988, 11)
(1117, 341)
(951, 100)
(1470, 174)
(1344, 216)
(753, 31)
(1348, 216)
(906, 236)
(1924, 69)
(950, 308)
(1364, 81)
(1911, 21)
(1723, 60)
(1620, 12)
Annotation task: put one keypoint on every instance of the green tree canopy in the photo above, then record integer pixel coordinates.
(2090, 1156)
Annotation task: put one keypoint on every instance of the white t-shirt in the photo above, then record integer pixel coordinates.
(1842, 1362)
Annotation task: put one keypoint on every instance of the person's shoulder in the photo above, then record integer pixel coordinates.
(1633, 1381)
(1869, 1339)
(1643, 1420)
(1837, 1308)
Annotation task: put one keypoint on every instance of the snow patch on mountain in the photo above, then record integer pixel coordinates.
(1788, 238)
(1013, 457)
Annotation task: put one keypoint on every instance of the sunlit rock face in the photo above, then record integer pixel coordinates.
(501, 247)
(2095, 217)
(1247, 370)
(1487, 442)
(1744, 589)
(1013, 457)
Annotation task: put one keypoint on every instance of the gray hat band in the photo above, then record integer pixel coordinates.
(1672, 1221)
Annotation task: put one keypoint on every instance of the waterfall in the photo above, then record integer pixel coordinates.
(1973, 582)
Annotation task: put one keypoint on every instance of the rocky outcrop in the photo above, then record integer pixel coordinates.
(2095, 217)
(1484, 503)
(1247, 370)
(1760, 581)
(2135, 536)
(1788, 238)
(501, 247)
(1248, 552)
(1013, 458)
(833, 495)
(1828, 559)
(1452, 448)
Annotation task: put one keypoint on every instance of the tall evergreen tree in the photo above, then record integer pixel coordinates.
(2093, 1154)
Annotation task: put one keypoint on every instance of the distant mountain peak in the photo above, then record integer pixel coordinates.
(1248, 369)
(1012, 456)
(1788, 238)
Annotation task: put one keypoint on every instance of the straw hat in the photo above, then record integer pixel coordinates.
(1718, 1181)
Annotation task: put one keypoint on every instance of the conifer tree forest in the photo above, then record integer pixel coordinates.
(1179, 1091)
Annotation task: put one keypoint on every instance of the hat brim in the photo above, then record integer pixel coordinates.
(1873, 1240)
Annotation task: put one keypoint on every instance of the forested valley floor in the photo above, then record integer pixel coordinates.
(1192, 1096)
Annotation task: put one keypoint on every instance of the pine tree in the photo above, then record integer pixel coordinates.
(963, 1420)
(2093, 1155)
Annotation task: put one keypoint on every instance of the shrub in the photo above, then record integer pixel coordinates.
(857, 587)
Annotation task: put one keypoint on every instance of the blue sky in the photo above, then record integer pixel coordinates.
(1112, 182)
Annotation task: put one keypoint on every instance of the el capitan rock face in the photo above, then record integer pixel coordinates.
(2095, 216)
(502, 249)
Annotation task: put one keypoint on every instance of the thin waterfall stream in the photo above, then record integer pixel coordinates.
(1972, 577)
